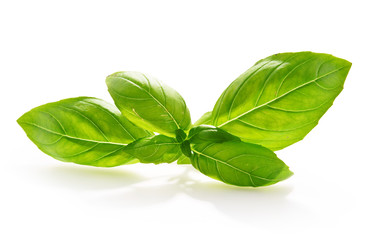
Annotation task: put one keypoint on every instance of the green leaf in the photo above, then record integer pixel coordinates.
(148, 103)
(204, 134)
(82, 130)
(206, 119)
(281, 98)
(239, 163)
(185, 148)
(180, 135)
(155, 149)
(183, 160)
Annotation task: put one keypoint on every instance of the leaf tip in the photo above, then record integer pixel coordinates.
(285, 173)
(20, 120)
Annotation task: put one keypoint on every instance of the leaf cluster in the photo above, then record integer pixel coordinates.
(272, 105)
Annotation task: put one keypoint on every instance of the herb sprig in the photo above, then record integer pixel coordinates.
(274, 104)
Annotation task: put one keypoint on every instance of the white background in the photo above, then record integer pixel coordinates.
(52, 50)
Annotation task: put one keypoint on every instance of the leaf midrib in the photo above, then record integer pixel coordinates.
(277, 98)
(229, 165)
(156, 100)
(71, 137)
(110, 114)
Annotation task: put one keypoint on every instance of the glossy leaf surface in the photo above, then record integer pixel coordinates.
(239, 163)
(155, 149)
(281, 98)
(148, 103)
(82, 130)
(205, 134)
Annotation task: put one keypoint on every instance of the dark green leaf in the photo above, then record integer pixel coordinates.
(155, 149)
(185, 148)
(180, 135)
(239, 163)
(281, 98)
(82, 130)
(204, 134)
(148, 103)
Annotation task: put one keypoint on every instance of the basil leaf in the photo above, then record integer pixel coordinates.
(81, 130)
(180, 135)
(206, 119)
(185, 148)
(239, 163)
(148, 103)
(203, 134)
(183, 160)
(281, 98)
(156, 149)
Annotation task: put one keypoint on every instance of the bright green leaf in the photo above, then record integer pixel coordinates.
(239, 163)
(155, 149)
(281, 98)
(183, 160)
(82, 130)
(148, 103)
(206, 119)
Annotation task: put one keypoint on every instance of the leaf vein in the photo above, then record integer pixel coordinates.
(71, 137)
(85, 117)
(240, 87)
(117, 120)
(275, 99)
(156, 100)
(231, 166)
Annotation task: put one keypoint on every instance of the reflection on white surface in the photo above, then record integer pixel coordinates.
(120, 188)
